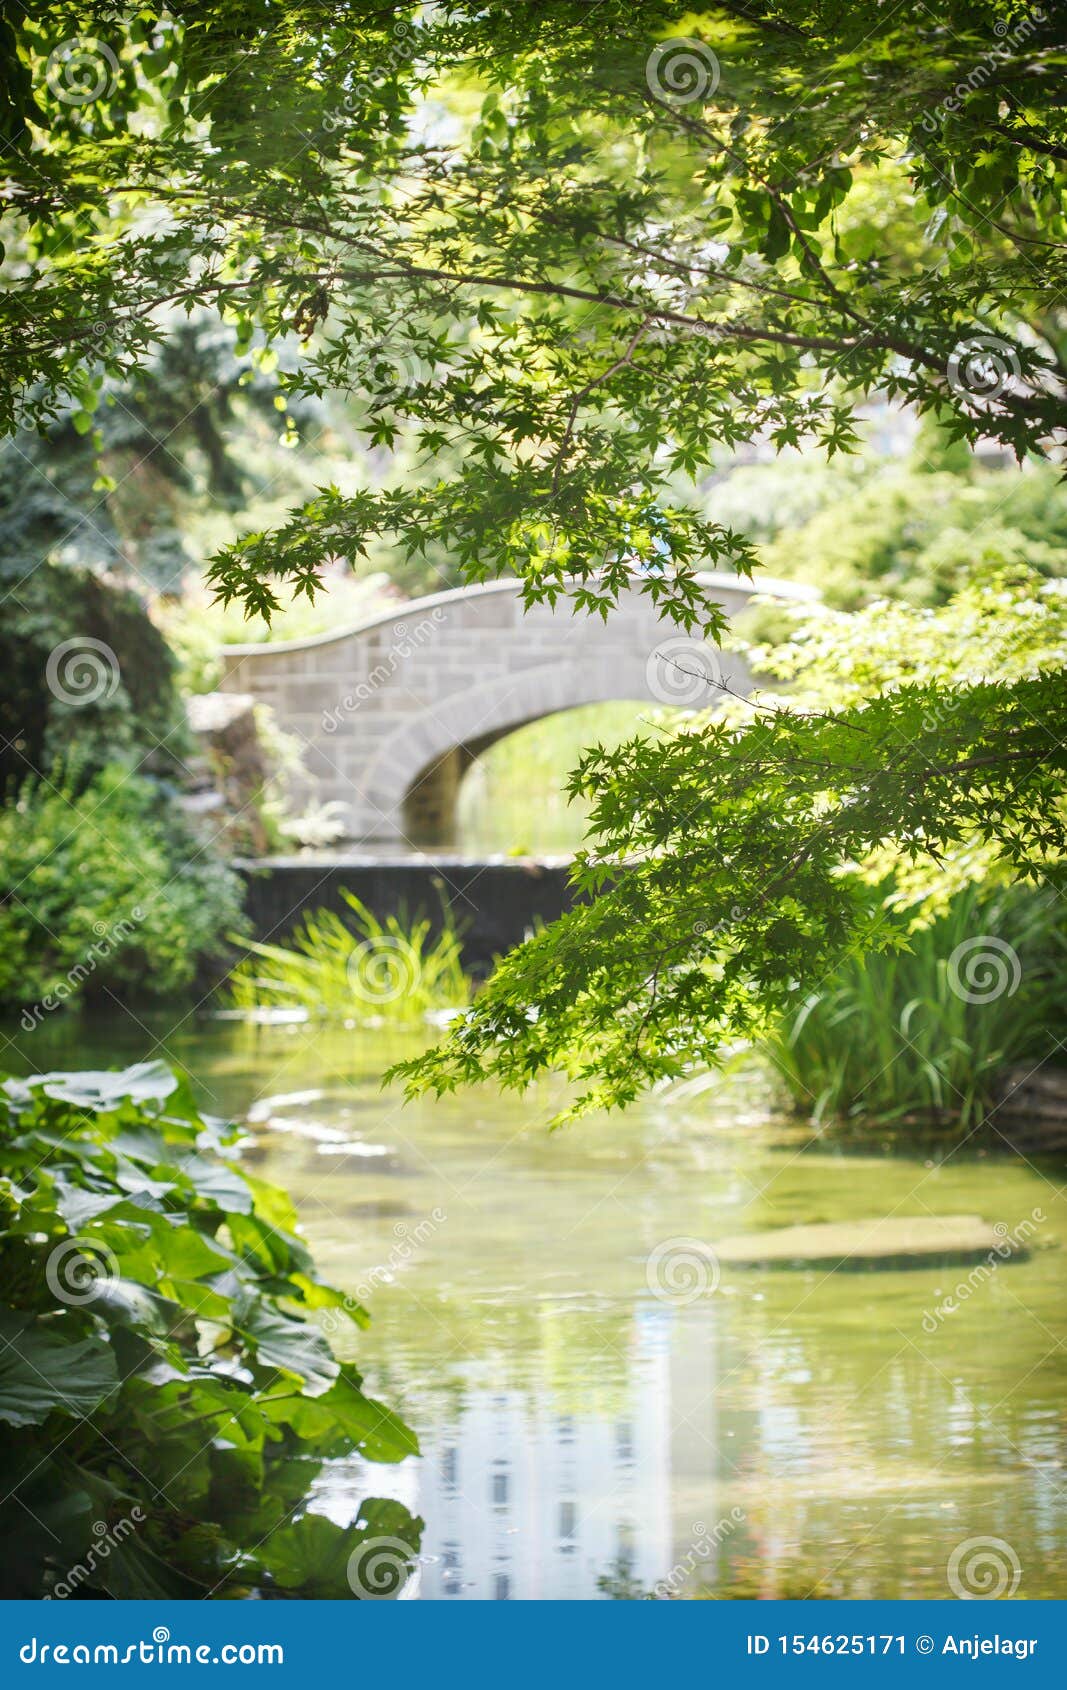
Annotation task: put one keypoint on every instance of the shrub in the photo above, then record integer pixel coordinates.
(920, 536)
(926, 1031)
(165, 1405)
(105, 889)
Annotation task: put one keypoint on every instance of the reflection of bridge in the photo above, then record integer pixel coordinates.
(390, 713)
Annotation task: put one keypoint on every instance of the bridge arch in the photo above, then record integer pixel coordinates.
(422, 764)
(389, 713)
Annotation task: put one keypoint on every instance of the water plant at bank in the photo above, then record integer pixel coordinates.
(397, 970)
(166, 1402)
(928, 1032)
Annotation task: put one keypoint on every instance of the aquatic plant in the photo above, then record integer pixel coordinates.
(927, 1031)
(396, 970)
(165, 1406)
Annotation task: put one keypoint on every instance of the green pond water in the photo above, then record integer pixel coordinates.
(595, 1417)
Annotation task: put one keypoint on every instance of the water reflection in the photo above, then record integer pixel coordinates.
(524, 1501)
(794, 1434)
(707, 1452)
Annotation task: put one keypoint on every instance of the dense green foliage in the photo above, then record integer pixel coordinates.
(722, 884)
(719, 884)
(1005, 624)
(360, 969)
(105, 894)
(567, 259)
(551, 237)
(180, 457)
(129, 476)
(166, 1405)
(927, 1031)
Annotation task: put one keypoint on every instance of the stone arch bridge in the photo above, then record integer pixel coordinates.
(389, 713)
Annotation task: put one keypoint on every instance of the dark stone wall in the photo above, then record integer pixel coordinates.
(493, 904)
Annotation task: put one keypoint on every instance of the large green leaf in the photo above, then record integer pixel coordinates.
(136, 1573)
(313, 1557)
(145, 1082)
(213, 1180)
(42, 1373)
(181, 1250)
(351, 1418)
(280, 1341)
(309, 1556)
(122, 1302)
(77, 1205)
(213, 1406)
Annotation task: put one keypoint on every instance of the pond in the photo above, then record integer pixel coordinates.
(596, 1415)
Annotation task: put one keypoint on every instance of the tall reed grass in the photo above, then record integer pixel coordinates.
(926, 1033)
(396, 971)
